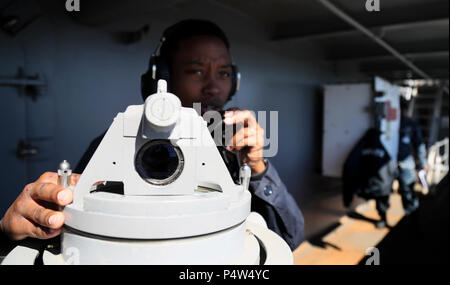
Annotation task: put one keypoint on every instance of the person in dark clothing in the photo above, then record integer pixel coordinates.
(369, 173)
(411, 153)
(198, 68)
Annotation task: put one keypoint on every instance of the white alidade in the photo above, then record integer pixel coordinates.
(178, 203)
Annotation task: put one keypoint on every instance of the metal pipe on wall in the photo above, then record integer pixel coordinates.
(338, 12)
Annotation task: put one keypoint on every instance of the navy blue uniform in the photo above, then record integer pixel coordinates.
(411, 152)
(369, 172)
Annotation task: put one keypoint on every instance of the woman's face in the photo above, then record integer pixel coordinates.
(201, 72)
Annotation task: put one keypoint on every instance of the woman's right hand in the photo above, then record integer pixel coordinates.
(37, 210)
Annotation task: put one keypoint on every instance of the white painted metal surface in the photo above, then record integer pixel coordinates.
(218, 248)
(148, 211)
(21, 255)
(172, 223)
(346, 118)
(390, 125)
(348, 115)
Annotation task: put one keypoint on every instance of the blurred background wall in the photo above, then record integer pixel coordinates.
(286, 51)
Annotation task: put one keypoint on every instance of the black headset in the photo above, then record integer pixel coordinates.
(159, 69)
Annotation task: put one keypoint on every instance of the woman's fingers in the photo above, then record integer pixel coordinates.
(51, 193)
(251, 141)
(41, 216)
(41, 232)
(74, 179)
(244, 117)
(34, 212)
(48, 177)
(252, 137)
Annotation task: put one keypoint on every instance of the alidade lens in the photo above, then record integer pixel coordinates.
(159, 162)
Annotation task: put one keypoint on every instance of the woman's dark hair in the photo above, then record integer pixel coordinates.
(186, 29)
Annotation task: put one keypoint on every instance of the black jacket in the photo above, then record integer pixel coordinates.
(368, 170)
(411, 143)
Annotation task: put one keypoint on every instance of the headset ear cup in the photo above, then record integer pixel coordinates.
(234, 81)
(149, 84)
(162, 72)
(146, 81)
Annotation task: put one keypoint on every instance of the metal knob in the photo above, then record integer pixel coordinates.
(245, 172)
(64, 173)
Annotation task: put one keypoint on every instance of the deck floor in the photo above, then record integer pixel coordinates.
(355, 233)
